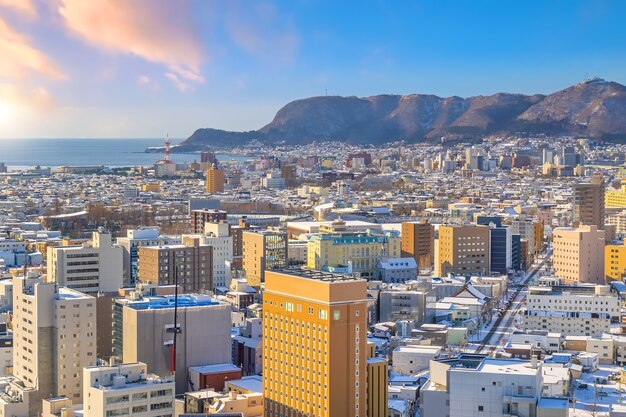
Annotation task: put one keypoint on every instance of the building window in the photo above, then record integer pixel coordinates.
(336, 314)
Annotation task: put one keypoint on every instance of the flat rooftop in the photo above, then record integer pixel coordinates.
(221, 367)
(253, 383)
(70, 294)
(419, 349)
(577, 290)
(318, 275)
(504, 366)
(162, 302)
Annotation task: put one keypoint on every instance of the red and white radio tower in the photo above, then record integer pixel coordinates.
(168, 150)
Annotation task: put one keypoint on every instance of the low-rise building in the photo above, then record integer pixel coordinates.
(126, 390)
(567, 322)
(396, 270)
(471, 385)
(411, 359)
(571, 298)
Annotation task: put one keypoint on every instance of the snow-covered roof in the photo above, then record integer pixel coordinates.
(398, 263)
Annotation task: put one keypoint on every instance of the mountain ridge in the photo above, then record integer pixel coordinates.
(593, 108)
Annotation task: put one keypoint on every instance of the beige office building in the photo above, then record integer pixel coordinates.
(462, 250)
(93, 267)
(54, 338)
(314, 345)
(589, 202)
(579, 254)
(126, 390)
(263, 250)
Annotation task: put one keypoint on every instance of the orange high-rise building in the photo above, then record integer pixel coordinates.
(214, 180)
(418, 242)
(314, 344)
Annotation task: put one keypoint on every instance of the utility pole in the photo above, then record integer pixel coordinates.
(175, 321)
(595, 398)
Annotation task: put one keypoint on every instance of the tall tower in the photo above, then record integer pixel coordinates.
(168, 149)
(589, 202)
(214, 180)
(314, 340)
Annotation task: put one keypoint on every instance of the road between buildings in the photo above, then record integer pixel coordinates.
(503, 323)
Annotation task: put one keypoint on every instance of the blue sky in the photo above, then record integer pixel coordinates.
(144, 68)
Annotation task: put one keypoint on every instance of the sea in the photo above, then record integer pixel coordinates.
(20, 154)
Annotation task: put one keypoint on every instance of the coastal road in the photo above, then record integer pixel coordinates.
(503, 323)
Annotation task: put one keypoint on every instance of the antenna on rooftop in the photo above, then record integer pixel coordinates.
(325, 91)
(25, 259)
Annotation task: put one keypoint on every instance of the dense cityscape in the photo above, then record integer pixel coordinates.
(328, 279)
(312, 208)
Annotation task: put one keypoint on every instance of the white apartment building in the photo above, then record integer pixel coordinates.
(409, 360)
(91, 268)
(126, 390)
(538, 339)
(590, 299)
(568, 323)
(54, 333)
(477, 386)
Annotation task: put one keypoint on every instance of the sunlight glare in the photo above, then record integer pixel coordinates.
(6, 111)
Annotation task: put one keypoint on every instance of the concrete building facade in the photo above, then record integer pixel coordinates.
(263, 250)
(192, 262)
(126, 390)
(55, 337)
(147, 331)
(462, 250)
(91, 268)
(588, 207)
(131, 243)
(579, 254)
(418, 242)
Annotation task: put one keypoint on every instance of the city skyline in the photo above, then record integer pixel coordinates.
(143, 69)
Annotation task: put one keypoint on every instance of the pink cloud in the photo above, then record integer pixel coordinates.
(156, 30)
(26, 7)
(175, 79)
(20, 58)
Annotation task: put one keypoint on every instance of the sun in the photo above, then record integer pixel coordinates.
(6, 112)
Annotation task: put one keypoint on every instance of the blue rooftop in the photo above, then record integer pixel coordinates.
(155, 303)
